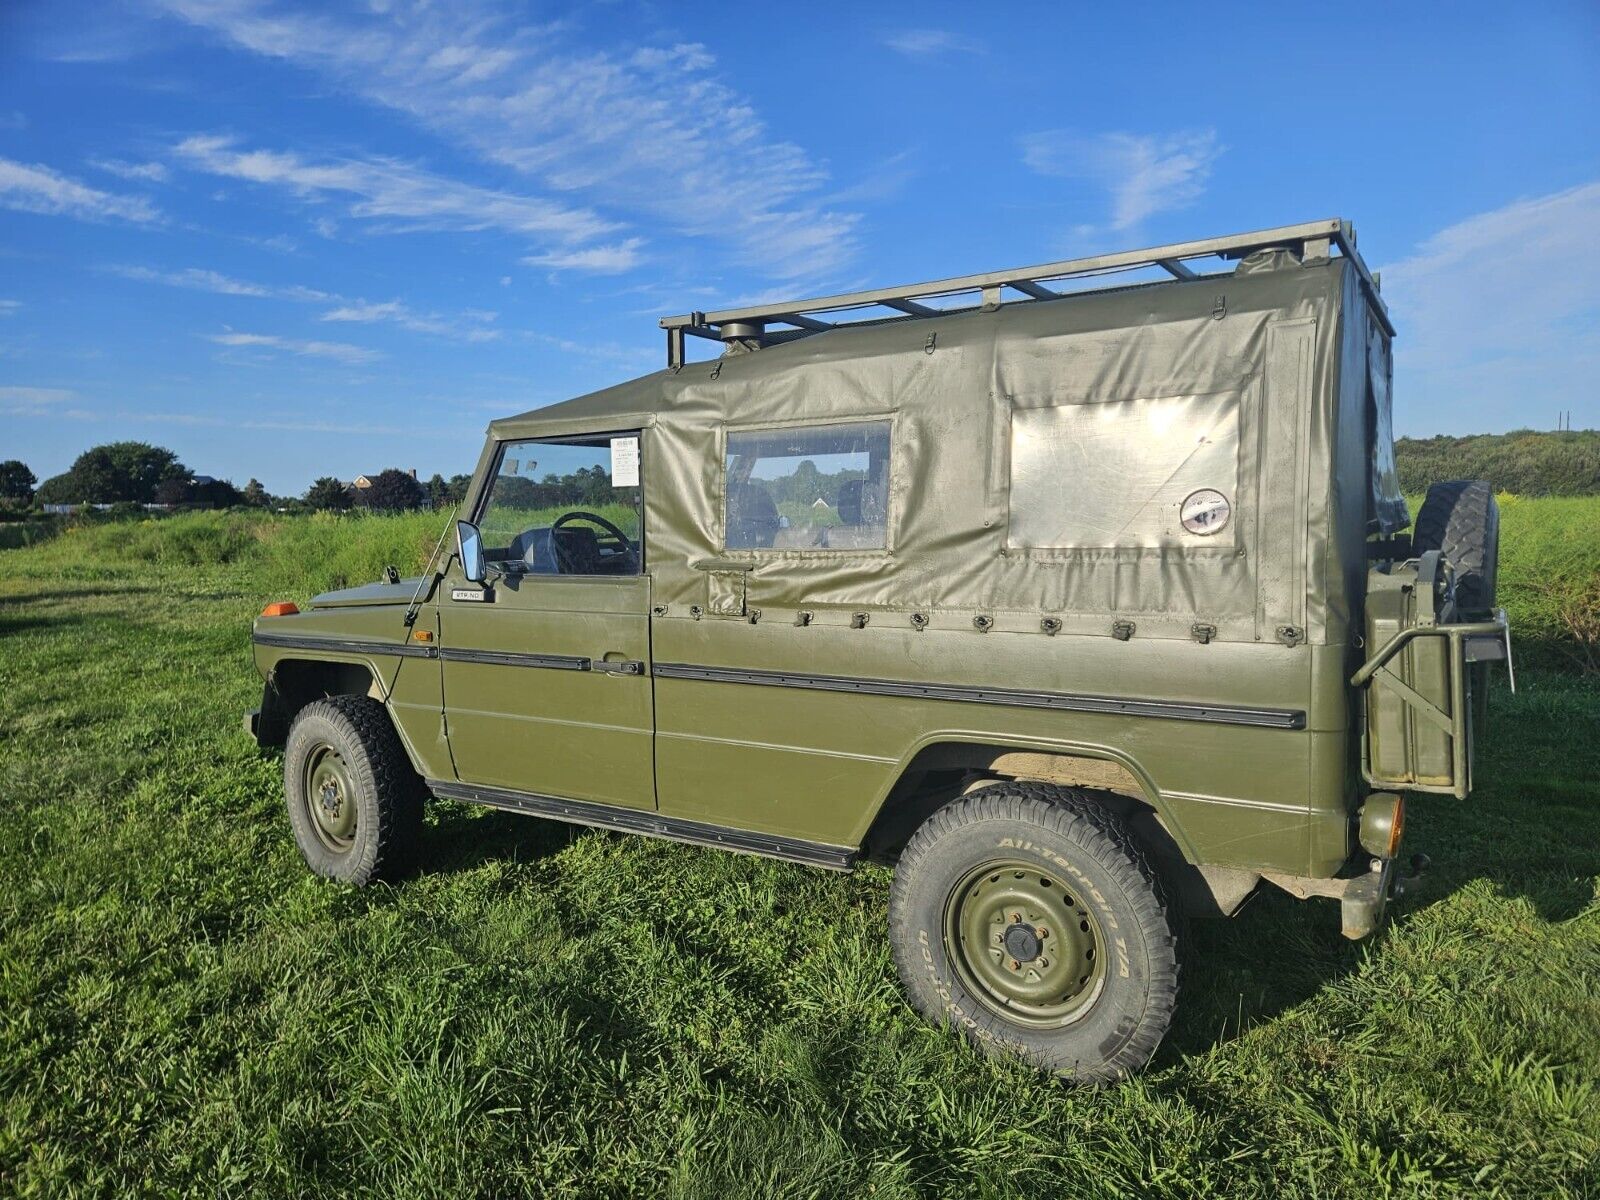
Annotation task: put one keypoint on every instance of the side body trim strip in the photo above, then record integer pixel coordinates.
(651, 824)
(1223, 714)
(506, 658)
(554, 662)
(289, 641)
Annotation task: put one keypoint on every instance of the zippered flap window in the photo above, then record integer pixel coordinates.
(1149, 472)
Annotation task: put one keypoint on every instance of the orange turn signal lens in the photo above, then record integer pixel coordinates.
(422, 635)
(280, 608)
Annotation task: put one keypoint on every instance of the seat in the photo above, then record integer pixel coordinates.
(752, 517)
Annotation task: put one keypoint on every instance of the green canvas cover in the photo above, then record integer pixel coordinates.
(1040, 455)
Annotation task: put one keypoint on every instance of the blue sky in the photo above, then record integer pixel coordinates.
(296, 240)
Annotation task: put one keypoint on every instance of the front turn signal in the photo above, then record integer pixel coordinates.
(280, 608)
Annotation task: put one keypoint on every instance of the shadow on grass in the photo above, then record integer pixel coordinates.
(465, 837)
(67, 595)
(28, 622)
(1531, 829)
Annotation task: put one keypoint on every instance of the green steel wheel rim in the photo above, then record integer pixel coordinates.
(330, 798)
(1023, 942)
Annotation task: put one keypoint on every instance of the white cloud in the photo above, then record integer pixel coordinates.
(201, 280)
(17, 401)
(13, 120)
(925, 43)
(38, 189)
(35, 395)
(1499, 318)
(339, 351)
(472, 325)
(600, 260)
(652, 132)
(146, 172)
(10, 308)
(386, 188)
(1144, 174)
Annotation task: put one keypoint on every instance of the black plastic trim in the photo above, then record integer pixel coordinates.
(290, 641)
(506, 658)
(651, 824)
(554, 662)
(1222, 714)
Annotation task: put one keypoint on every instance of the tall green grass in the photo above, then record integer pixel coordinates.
(1550, 577)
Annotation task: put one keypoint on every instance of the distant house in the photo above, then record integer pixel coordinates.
(819, 502)
(362, 482)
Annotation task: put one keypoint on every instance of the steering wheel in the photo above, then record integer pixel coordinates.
(616, 539)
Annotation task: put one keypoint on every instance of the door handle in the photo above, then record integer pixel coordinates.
(628, 666)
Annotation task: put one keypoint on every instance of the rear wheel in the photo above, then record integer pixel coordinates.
(355, 804)
(1028, 918)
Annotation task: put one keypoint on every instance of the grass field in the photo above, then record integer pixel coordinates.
(554, 1011)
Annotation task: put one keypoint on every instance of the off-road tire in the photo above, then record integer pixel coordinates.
(1461, 520)
(386, 792)
(1092, 853)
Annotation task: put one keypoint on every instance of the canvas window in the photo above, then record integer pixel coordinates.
(1117, 474)
(816, 488)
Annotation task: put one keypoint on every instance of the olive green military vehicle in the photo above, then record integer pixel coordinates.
(1082, 597)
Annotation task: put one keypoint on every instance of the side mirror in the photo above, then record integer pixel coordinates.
(469, 546)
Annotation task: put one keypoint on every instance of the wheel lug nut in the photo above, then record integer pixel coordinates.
(1043, 932)
(1015, 965)
(1017, 917)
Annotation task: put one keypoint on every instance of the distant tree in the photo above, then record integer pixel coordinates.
(133, 469)
(58, 489)
(392, 491)
(457, 488)
(257, 496)
(219, 493)
(328, 494)
(173, 492)
(16, 483)
(438, 491)
(117, 472)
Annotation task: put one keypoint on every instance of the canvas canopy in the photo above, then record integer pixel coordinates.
(1040, 456)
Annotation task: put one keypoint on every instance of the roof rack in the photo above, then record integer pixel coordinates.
(1313, 241)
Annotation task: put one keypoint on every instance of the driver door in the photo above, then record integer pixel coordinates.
(546, 665)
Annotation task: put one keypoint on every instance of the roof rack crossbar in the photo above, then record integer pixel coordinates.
(1313, 240)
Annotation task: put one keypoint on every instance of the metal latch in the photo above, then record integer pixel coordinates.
(1122, 630)
(1203, 632)
(1291, 635)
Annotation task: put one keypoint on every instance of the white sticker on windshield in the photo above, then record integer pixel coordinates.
(625, 462)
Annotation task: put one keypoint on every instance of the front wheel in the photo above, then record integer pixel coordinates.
(355, 804)
(1028, 918)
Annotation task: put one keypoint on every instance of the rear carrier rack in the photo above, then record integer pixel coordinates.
(769, 324)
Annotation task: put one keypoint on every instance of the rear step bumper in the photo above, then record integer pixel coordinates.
(1362, 898)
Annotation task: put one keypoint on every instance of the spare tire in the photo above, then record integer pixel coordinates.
(1461, 520)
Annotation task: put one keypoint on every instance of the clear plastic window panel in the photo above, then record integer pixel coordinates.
(812, 488)
(1117, 474)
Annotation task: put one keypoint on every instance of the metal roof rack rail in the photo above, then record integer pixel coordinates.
(1313, 241)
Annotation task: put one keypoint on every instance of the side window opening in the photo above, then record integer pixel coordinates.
(1155, 472)
(565, 506)
(819, 487)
